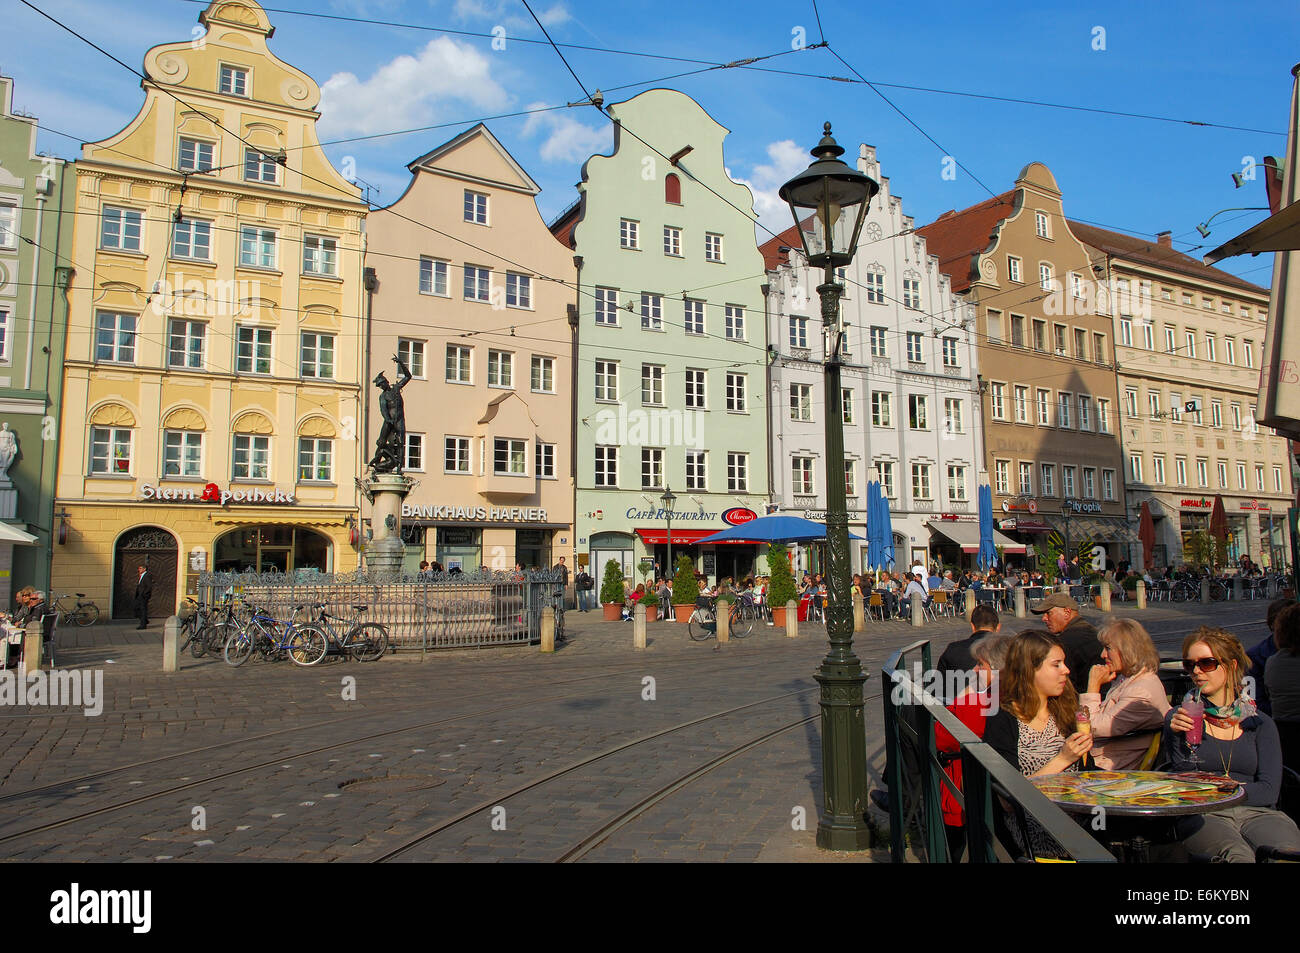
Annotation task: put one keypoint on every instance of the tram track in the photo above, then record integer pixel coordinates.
(271, 762)
(622, 818)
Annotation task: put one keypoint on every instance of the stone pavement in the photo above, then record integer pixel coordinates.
(344, 761)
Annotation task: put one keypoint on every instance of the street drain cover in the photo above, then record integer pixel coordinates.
(393, 782)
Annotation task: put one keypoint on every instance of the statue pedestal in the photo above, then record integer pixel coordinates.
(385, 550)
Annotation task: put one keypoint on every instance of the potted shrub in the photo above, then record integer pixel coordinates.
(650, 599)
(685, 589)
(611, 591)
(780, 587)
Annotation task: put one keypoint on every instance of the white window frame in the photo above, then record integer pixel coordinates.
(255, 241)
(519, 291)
(922, 485)
(188, 356)
(736, 399)
(693, 316)
(498, 362)
(607, 307)
(318, 452)
(697, 388)
(606, 466)
(713, 247)
(121, 229)
(652, 312)
(114, 463)
(515, 454)
(477, 284)
(259, 340)
(629, 234)
(434, 277)
(237, 76)
(476, 212)
(457, 450)
(464, 358)
(320, 255)
(734, 328)
(122, 345)
(183, 450)
(542, 372)
(803, 476)
(672, 241)
(606, 381)
(257, 453)
(261, 167)
(318, 348)
(801, 402)
(882, 408)
(697, 470)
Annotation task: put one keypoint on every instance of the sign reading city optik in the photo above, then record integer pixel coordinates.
(216, 495)
(1084, 506)
(474, 514)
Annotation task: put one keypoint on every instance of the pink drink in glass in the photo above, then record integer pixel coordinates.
(1195, 710)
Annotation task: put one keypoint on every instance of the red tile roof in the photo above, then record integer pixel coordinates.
(1148, 252)
(562, 227)
(771, 249)
(956, 236)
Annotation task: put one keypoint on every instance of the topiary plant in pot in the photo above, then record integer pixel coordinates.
(611, 591)
(780, 588)
(685, 589)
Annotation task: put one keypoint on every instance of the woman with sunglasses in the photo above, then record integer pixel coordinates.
(1239, 742)
(1136, 701)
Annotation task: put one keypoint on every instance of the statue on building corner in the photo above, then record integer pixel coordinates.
(8, 450)
(390, 447)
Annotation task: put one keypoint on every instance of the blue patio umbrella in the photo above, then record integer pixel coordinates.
(772, 529)
(874, 542)
(988, 555)
(886, 532)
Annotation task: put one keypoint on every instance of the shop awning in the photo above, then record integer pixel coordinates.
(966, 534)
(14, 536)
(687, 537)
(1101, 529)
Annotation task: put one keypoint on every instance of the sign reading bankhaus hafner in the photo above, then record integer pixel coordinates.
(475, 514)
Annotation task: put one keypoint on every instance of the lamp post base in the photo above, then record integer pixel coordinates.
(843, 823)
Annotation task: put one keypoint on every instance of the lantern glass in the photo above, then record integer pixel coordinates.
(669, 500)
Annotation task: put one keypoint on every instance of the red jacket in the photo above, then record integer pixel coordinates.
(970, 709)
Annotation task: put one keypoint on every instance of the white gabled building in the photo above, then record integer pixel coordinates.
(911, 386)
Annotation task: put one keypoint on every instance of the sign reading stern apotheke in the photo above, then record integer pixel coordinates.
(216, 495)
(474, 514)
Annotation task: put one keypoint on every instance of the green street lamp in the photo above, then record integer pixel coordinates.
(669, 500)
(833, 198)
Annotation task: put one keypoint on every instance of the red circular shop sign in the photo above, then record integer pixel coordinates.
(739, 514)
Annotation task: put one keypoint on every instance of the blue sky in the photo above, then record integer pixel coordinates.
(1190, 60)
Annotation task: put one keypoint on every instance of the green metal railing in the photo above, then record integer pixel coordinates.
(911, 717)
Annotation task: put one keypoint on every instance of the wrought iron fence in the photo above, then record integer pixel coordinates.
(421, 612)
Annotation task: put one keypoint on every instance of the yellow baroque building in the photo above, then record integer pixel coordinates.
(212, 381)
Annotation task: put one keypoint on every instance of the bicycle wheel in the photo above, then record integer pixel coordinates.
(239, 647)
(1218, 591)
(216, 635)
(1178, 593)
(307, 645)
(367, 642)
(194, 638)
(701, 625)
(86, 613)
(740, 623)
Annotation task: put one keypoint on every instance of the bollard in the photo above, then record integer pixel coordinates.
(792, 620)
(32, 647)
(859, 617)
(1238, 589)
(1022, 610)
(1142, 594)
(1063, 587)
(724, 621)
(638, 627)
(1205, 592)
(548, 629)
(918, 614)
(172, 644)
(969, 609)
(1103, 596)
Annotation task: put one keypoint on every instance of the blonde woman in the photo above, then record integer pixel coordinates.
(1136, 700)
(1239, 742)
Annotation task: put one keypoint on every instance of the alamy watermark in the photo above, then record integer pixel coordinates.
(57, 688)
(639, 427)
(945, 687)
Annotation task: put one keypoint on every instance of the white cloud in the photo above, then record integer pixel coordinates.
(408, 90)
(786, 159)
(504, 13)
(567, 139)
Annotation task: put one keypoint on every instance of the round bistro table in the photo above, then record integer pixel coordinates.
(1136, 797)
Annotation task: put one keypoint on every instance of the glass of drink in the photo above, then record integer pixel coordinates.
(1195, 710)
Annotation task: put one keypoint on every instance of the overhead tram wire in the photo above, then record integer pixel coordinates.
(748, 65)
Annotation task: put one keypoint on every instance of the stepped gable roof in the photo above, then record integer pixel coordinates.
(773, 257)
(1147, 252)
(955, 237)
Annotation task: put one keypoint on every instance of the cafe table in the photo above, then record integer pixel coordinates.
(1136, 798)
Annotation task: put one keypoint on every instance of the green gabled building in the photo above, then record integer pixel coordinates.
(36, 205)
(671, 387)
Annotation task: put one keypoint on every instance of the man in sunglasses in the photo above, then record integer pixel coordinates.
(1082, 649)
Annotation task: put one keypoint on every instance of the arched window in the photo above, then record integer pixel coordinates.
(672, 189)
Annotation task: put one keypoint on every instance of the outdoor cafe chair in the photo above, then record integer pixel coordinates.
(876, 604)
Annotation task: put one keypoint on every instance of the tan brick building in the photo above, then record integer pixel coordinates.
(1049, 397)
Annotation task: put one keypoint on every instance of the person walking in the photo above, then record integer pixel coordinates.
(584, 584)
(143, 593)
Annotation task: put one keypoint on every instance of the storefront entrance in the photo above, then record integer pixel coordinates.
(607, 546)
(460, 548)
(533, 548)
(271, 549)
(156, 550)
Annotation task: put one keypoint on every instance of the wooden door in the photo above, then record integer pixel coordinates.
(156, 549)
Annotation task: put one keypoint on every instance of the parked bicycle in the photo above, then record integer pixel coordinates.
(274, 638)
(84, 612)
(364, 641)
(703, 623)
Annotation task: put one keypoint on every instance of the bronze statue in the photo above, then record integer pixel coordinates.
(390, 448)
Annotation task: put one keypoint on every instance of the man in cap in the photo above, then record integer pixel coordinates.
(1082, 650)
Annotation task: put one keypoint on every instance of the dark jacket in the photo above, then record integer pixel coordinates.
(1082, 651)
(144, 588)
(957, 656)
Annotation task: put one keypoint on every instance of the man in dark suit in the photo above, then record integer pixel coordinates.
(143, 592)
